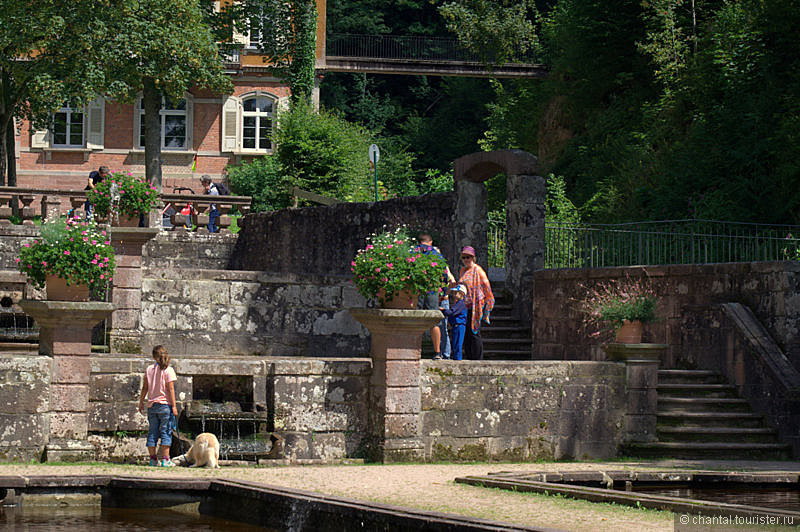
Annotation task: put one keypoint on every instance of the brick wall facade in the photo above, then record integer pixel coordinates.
(66, 169)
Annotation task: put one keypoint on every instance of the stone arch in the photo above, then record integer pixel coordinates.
(525, 194)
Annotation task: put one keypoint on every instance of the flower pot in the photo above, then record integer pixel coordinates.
(125, 220)
(630, 332)
(59, 290)
(405, 300)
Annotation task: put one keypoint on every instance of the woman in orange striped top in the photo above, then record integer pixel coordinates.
(480, 302)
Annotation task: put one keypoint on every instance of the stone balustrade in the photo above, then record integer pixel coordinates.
(55, 202)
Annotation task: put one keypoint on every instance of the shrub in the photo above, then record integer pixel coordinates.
(610, 303)
(389, 263)
(261, 179)
(323, 153)
(136, 195)
(79, 252)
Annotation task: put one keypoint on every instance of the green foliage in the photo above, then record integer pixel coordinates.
(159, 47)
(498, 31)
(610, 303)
(558, 207)
(135, 195)
(170, 42)
(74, 250)
(664, 109)
(564, 247)
(323, 153)
(389, 263)
(262, 179)
(288, 38)
(48, 55)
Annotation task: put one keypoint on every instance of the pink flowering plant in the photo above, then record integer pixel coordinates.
(77, 251)
(608, 304)
(389, 263)
(136, 195)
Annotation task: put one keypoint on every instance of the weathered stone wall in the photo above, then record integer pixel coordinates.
(770, 289)
(522, 410)
(171, 250)
(218, 312)
(320, 406)
(11, 238)
(323, 240)
(24, 406)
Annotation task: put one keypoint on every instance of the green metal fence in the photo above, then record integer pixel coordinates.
(657, 242)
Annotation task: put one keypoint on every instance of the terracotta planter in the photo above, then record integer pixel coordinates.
(404, 300)
(124, 220)
(630, 332)
(59, 290)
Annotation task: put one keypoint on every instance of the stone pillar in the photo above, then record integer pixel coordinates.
(395, 403)
(471, 227)
(51, 208)
(126, 293)
(65, 334)
(525, 195)
(641, 377)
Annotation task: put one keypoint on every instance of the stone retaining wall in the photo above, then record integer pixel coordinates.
(487, 411)
(323, 240)
(770, 289)
(522, 410)
(318, 405)
(219, 312)
(24, 406)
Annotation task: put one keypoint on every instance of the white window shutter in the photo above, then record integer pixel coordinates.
(137, 123)
(240, 38)
(40, 138)
(189, 122)
(95, 127)
(230, 124)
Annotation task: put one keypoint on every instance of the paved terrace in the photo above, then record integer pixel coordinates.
(430, 487)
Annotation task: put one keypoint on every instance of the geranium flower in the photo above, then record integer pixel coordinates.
(66, 251)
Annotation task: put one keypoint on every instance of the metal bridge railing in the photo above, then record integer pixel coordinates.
(409, 47)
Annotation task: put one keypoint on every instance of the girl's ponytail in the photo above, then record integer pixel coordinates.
(160, 355)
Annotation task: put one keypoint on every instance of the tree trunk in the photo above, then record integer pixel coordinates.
(4, 117)
(3, 149)
(11, 153)
(151, 99)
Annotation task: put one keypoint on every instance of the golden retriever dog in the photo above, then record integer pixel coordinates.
(204, 452)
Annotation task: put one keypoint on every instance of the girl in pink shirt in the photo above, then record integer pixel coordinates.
(159, 388)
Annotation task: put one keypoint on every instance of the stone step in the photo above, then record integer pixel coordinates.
(506, 354)
(696, 390)
(496, 342)
(505, 330)
(688, 376)
(502, 307)
(724, 451)
(702, 404)
(716, 434)
(710, 419)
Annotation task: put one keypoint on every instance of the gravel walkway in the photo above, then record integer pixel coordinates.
(431, 487)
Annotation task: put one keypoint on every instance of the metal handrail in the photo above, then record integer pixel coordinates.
(407, 47)
(672, 242)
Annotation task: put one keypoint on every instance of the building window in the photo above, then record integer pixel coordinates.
(257, 123)
(174, 124)
(67, 127)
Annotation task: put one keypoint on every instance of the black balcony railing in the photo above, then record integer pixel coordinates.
(408, 47)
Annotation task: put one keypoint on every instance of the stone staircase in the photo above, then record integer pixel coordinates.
(700, 416)
(506, 338)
